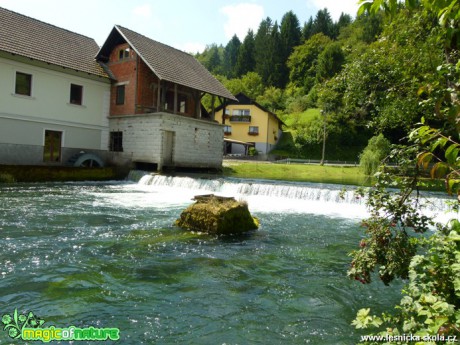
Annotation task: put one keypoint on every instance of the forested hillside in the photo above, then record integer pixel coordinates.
(364, 73)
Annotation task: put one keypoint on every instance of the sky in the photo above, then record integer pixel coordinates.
(188, 25)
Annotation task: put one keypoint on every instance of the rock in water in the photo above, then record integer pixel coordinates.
(217, 215)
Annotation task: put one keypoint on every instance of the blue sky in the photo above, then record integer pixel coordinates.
(188, 25)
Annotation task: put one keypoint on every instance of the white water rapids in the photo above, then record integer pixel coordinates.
(270, 196)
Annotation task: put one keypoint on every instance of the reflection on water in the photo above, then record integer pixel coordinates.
(107, 255)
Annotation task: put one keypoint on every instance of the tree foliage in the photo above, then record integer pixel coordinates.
(431, 301)
(374, 153)
(303, 62)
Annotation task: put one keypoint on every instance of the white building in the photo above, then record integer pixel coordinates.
(54, 96)
(64, 100)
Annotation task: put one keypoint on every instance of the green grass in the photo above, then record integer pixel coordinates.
(298, 172)
(301, 118)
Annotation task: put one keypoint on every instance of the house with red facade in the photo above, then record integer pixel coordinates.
(156, 116)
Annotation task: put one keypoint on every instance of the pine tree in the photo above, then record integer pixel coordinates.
(230, 56)
(323, 23)
(262, 50)
(307, 30)
(276, 62)
(290, 35)
(246, 56)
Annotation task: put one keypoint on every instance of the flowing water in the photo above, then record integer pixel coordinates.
(108, 255)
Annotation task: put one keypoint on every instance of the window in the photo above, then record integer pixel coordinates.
(52, 147)
(240, 115)
(253, 130)
(76, 94)
(23, 84)
(241, 112)
(116, 141)
(227, 130)
(120, 95)
(182, 100)
(123, 54)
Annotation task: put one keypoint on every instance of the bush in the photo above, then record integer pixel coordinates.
(6, 178)
(252, 151)
(377, 149)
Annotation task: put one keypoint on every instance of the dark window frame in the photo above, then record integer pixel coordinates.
(76, 94)
(253, 130)
(120, 95)
(116, 141)
(23, 87)
(123, 54)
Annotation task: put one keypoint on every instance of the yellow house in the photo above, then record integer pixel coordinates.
(248, 124)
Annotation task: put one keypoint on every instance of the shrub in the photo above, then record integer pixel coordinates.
(376, 150)
(6, 178)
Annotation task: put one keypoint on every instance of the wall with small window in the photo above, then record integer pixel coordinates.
(36, 97)
(31, 90)
(124, 65)
(166, 140)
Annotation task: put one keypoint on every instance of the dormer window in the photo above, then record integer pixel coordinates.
(123, 54)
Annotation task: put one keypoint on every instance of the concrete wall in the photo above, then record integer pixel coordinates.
(24, 119)
(195, 143)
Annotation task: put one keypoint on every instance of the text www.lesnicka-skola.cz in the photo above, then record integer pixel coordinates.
(409, 337)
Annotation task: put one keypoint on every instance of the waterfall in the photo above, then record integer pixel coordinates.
(247, 187)
(266, 196)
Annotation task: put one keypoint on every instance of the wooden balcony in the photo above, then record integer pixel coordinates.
(240, 118)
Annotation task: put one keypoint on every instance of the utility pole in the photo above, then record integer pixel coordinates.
(323, 112)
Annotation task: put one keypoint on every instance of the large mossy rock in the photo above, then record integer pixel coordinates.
(217, 215)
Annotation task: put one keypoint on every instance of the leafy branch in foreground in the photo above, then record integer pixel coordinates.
(430, 305)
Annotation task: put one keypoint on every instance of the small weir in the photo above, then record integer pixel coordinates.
(282, 195)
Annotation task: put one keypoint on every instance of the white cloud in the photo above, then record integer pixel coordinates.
(143, 11)
(336, 7)
(241, 18)
(192, 47)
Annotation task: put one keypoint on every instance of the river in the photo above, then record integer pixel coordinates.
(108, 255)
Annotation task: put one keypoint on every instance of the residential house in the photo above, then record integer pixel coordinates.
(248, 124)
(156, 116)
(54, 96)
(132, 101)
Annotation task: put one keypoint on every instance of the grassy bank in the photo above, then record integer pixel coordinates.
(29, 173)
(297, 172)
(347, 175)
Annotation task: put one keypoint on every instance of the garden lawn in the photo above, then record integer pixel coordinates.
(348, 175)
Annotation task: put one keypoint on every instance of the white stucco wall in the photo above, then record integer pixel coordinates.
(196, 143)
(24, 119)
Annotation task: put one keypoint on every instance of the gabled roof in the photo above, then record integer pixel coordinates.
(242, 99)
(34, 39)
(166, 62)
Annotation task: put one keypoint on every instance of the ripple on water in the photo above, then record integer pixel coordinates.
(109, 256)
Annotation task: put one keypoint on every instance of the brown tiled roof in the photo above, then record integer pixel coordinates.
(242, 99)
(31, 38)
(168, 63)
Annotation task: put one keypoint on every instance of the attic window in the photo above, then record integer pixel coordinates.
(123, 54)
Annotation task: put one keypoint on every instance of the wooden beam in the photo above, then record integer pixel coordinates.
(197, 104)
(175, 99)
(213, 108)
(159, 95)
